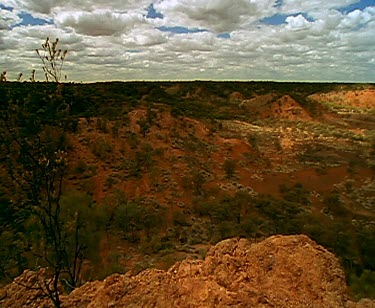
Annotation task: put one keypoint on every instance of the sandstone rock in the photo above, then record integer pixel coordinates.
(282, 271)
(236, 97)
(363, 303)
(26, 291)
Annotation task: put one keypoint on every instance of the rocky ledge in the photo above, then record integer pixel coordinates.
(281, 271)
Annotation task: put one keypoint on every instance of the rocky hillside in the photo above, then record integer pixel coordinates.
(158, 172)
(281, 271)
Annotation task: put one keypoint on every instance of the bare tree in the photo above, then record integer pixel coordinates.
(37, 168)
(33, 148)
(52, 59)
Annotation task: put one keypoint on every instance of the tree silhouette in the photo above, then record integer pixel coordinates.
(52, 59)
(33, 149)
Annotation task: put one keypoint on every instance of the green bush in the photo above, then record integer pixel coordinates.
(362, 286)
(335, 205)
(179, 219)
(101, 148)
(297, 193)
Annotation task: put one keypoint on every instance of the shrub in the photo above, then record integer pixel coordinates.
(297, 193)
(101, 148)
(229, 168)
(52, 59)
(362, 286)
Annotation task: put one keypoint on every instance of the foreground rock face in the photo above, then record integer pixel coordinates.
(282, 271)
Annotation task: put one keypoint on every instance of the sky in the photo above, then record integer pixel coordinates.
(107, 40)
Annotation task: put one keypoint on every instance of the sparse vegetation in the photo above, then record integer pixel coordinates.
(146, 175)
(34, 156)
(101, 148)
(52, 59)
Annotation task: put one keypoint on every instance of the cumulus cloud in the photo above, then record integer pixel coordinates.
(203, 41)
(216, 15)
(8, 19)
(45, 8)
(297, 23)
(358, 18)
(326, 21)
(99, 22)
(37, 6)
(117, 39)
(143, 36)
(298, 6)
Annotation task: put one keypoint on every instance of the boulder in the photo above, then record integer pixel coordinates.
(281, 271)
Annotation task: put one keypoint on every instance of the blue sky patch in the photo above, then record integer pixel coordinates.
(29, 20)
(152, 13)
(279, 19)
(180, 30)
(360, 5)
(6, 8)
(134, 51)
(225, 35)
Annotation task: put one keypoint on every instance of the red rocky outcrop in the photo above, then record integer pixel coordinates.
(281, 271)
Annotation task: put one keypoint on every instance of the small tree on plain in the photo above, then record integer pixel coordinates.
(52, 59)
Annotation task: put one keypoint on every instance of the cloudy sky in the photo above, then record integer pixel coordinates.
(303, 40)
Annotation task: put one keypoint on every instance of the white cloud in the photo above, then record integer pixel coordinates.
(46, 8)
(202, 41)
(8, 19)
(297, 23)
(326, 21)
(358, 18)
(216, 15)
(300, 6)
(99, 22)
(114, 40)
(143, 35)
(37, 6)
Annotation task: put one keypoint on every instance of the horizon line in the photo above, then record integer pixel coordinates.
(197, 80)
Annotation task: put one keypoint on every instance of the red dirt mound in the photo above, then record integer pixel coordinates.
(286, 108)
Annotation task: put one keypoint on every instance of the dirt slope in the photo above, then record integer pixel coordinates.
(358, 100)
(281, 271)
(286, 107)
